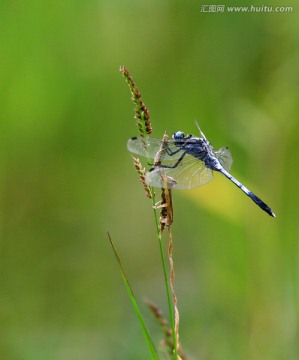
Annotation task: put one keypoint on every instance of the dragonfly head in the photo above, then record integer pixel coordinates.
(178, 135)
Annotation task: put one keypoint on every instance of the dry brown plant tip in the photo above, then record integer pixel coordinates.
(166, 213)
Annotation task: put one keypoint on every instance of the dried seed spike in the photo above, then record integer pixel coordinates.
(166, 214)
(141, 112)
(162, 150)
(141, 172)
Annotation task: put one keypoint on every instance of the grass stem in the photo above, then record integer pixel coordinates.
(167, 287)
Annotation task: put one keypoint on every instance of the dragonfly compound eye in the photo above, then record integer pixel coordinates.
(178, 135)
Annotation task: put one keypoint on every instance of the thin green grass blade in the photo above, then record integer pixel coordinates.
(150, 344)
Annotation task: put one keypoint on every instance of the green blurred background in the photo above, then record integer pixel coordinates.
(66, 177)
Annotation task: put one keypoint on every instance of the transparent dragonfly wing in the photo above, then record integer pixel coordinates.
(189, 174)
(149, 147)
(225, 158)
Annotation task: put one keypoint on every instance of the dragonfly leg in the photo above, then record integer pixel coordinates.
(176, 164)
(169, 152)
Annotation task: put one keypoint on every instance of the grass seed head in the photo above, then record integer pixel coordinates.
(141, 172)
(142, 114)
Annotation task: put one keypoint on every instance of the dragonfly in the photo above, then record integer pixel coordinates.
(186, 162)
